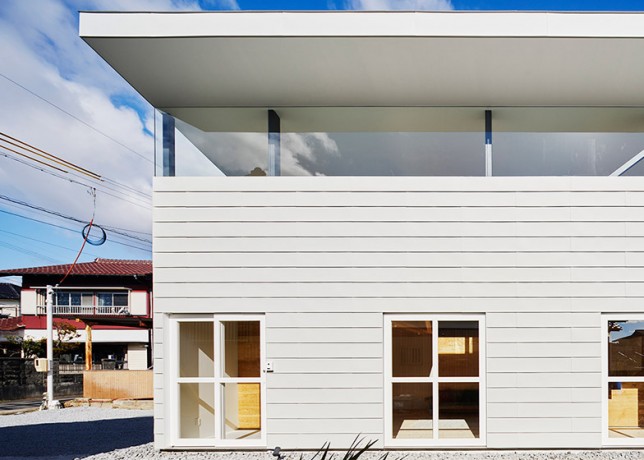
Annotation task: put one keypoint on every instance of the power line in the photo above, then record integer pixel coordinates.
(31, 149)
(142, 204)
(76, 118)
(70, 229)
(114, 239)
(48, 156)
(28, 252)
(45, 242)
(61, 161)
(123, 232)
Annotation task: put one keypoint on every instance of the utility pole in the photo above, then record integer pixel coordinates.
(51, 404)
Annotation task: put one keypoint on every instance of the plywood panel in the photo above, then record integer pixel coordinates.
(623, 408)
(117, 384)
(249, 413)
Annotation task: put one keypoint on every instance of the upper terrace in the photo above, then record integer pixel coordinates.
(368, 93)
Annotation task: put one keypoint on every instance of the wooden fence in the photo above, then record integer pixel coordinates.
(117, 384)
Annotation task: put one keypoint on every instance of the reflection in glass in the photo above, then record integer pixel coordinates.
(458, 349)
(200, 153)
(626, 348)
(563, 154)
(242, 411)
(196, 349)
(405, 142)
(458, 410)
(412, 411)
(383, 154)
(197, 410)
(241, 348)
(626, 410)
(411, 348)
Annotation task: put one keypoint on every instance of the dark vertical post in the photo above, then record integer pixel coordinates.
(168, 145)
(488, 142)
(274, 161)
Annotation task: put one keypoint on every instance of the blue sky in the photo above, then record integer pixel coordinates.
(550, 5)
(59, 96)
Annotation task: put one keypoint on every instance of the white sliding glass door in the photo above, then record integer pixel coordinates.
(218, 381)
(434, 390)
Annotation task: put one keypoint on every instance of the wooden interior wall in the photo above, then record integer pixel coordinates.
(248, 365)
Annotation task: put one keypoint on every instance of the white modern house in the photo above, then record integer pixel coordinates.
(447, 249)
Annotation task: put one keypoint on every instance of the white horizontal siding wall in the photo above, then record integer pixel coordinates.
(328, 377)
(325, 258)
(543, 379)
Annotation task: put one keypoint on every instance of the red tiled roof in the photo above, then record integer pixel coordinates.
(11, 324)
(105, 267)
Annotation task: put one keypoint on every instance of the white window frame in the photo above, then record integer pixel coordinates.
(606, 440)
(218, 441)
(435, 380)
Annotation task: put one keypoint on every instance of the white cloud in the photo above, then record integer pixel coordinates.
(43, 52)
(405, 5)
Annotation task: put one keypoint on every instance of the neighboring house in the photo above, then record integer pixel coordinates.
(425, 312)
(9, 300)
(113, 297)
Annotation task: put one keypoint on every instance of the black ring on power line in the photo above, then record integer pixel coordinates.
(96, 241)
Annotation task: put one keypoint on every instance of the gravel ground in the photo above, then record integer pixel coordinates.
(119, 434)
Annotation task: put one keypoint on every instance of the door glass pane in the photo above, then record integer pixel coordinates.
(626, 410)
(241, 348)
(196, 349)
(87, 300)
(242, 411)
(412, 411)
(458, 348)
(197, 410)
(626, 348)
(458, 410)
(411, 348)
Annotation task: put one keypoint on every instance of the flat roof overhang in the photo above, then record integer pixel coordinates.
(381, 59)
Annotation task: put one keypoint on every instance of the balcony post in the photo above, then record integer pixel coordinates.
(168, 145)
(274, 148)
(488, 142)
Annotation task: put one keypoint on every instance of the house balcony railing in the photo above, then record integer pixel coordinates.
(85, 310)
